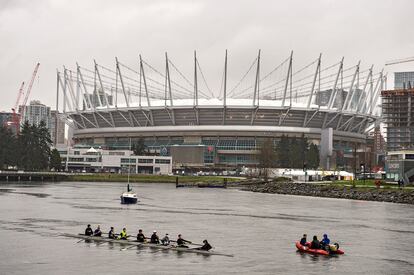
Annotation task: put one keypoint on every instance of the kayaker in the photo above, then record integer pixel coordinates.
(140, 236)
(123, 235)
(325, 241)
(111, 233)
(181, 242)
(303, 241)
(98, 232)
(165, 240)
(206, 246)
(154, 237)
(88, 231)
(315, 243)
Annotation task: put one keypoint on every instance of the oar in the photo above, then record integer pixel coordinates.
(188, 243)
(81, 240)
(131, 246)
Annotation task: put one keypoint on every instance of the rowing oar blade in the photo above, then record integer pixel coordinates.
(126, 248)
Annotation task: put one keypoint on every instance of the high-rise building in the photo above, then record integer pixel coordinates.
(5, 117)
(403, 80)
(398, 114)
(35, 112)
(323, 97)
(98, 99)
(57, 128)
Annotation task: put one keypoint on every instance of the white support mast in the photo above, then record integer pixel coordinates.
(256, 83)
(317, 72)
(288, 77)
(122, 82)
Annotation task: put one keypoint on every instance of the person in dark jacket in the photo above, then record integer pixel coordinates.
(111, 233)
(140, 236)
(98, 232)
(88, 231)
(181, 242)
(315, 243)
(325, 241)
(303, 241)
(154, 238)
(206, 246)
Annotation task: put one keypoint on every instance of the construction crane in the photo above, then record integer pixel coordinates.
(16, 117)
(398, 61)
(29, 89)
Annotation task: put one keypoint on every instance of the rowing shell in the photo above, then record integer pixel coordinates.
(138, 244)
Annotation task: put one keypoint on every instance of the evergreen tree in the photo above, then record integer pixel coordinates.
(304, 148)
(296, 155)
(8, 154)
(55, 160)
(312, 157)
(139, 147)
(34, 146)
(283, 152)
(266, 157)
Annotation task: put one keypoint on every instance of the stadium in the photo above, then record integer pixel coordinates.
(175, 114)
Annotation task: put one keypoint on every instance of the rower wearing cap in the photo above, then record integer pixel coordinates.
(181, 242)
(98, 232)
(111, 233)
(88, 231)
(206, 246)
(154, 237)
(165, 240)
(123, 235)
(140, 236)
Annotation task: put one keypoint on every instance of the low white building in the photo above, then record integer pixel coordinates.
(113, 161)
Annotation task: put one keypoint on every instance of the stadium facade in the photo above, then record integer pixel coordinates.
(332, 106)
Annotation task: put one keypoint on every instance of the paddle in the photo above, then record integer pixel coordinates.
(131, 246)
(80, 241)
(188, 243)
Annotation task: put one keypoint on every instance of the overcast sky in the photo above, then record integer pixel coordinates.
(59, 32)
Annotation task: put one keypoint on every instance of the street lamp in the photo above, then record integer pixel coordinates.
(362, 165)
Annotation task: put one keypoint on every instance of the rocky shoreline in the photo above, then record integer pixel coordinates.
(332, 191)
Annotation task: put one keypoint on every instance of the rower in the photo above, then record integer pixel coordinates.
(154, 237)
(123, 235)
(111, 233)
(98, 232)
(140, 236)
(303, 240)
(88, 231)
(206, 246)
(165, 240)
(181, 242)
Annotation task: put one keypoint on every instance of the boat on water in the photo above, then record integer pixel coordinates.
(150, 245)
(307, 249)
(129, 197)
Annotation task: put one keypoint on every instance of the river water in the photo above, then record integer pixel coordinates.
(259, 229)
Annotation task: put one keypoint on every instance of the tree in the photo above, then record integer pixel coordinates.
(283, 152)
(296, 153)
(34, 146)
(8, 154)
(312, 158)
(55, 160)
(267, 157)
(139, 147)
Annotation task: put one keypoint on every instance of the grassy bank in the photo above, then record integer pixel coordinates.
(147, 178)
(368, 184)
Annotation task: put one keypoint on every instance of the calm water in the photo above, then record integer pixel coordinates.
(259, 229)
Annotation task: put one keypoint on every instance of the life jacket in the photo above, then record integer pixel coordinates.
(123, 234)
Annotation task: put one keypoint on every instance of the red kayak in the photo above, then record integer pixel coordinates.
(306, 249)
